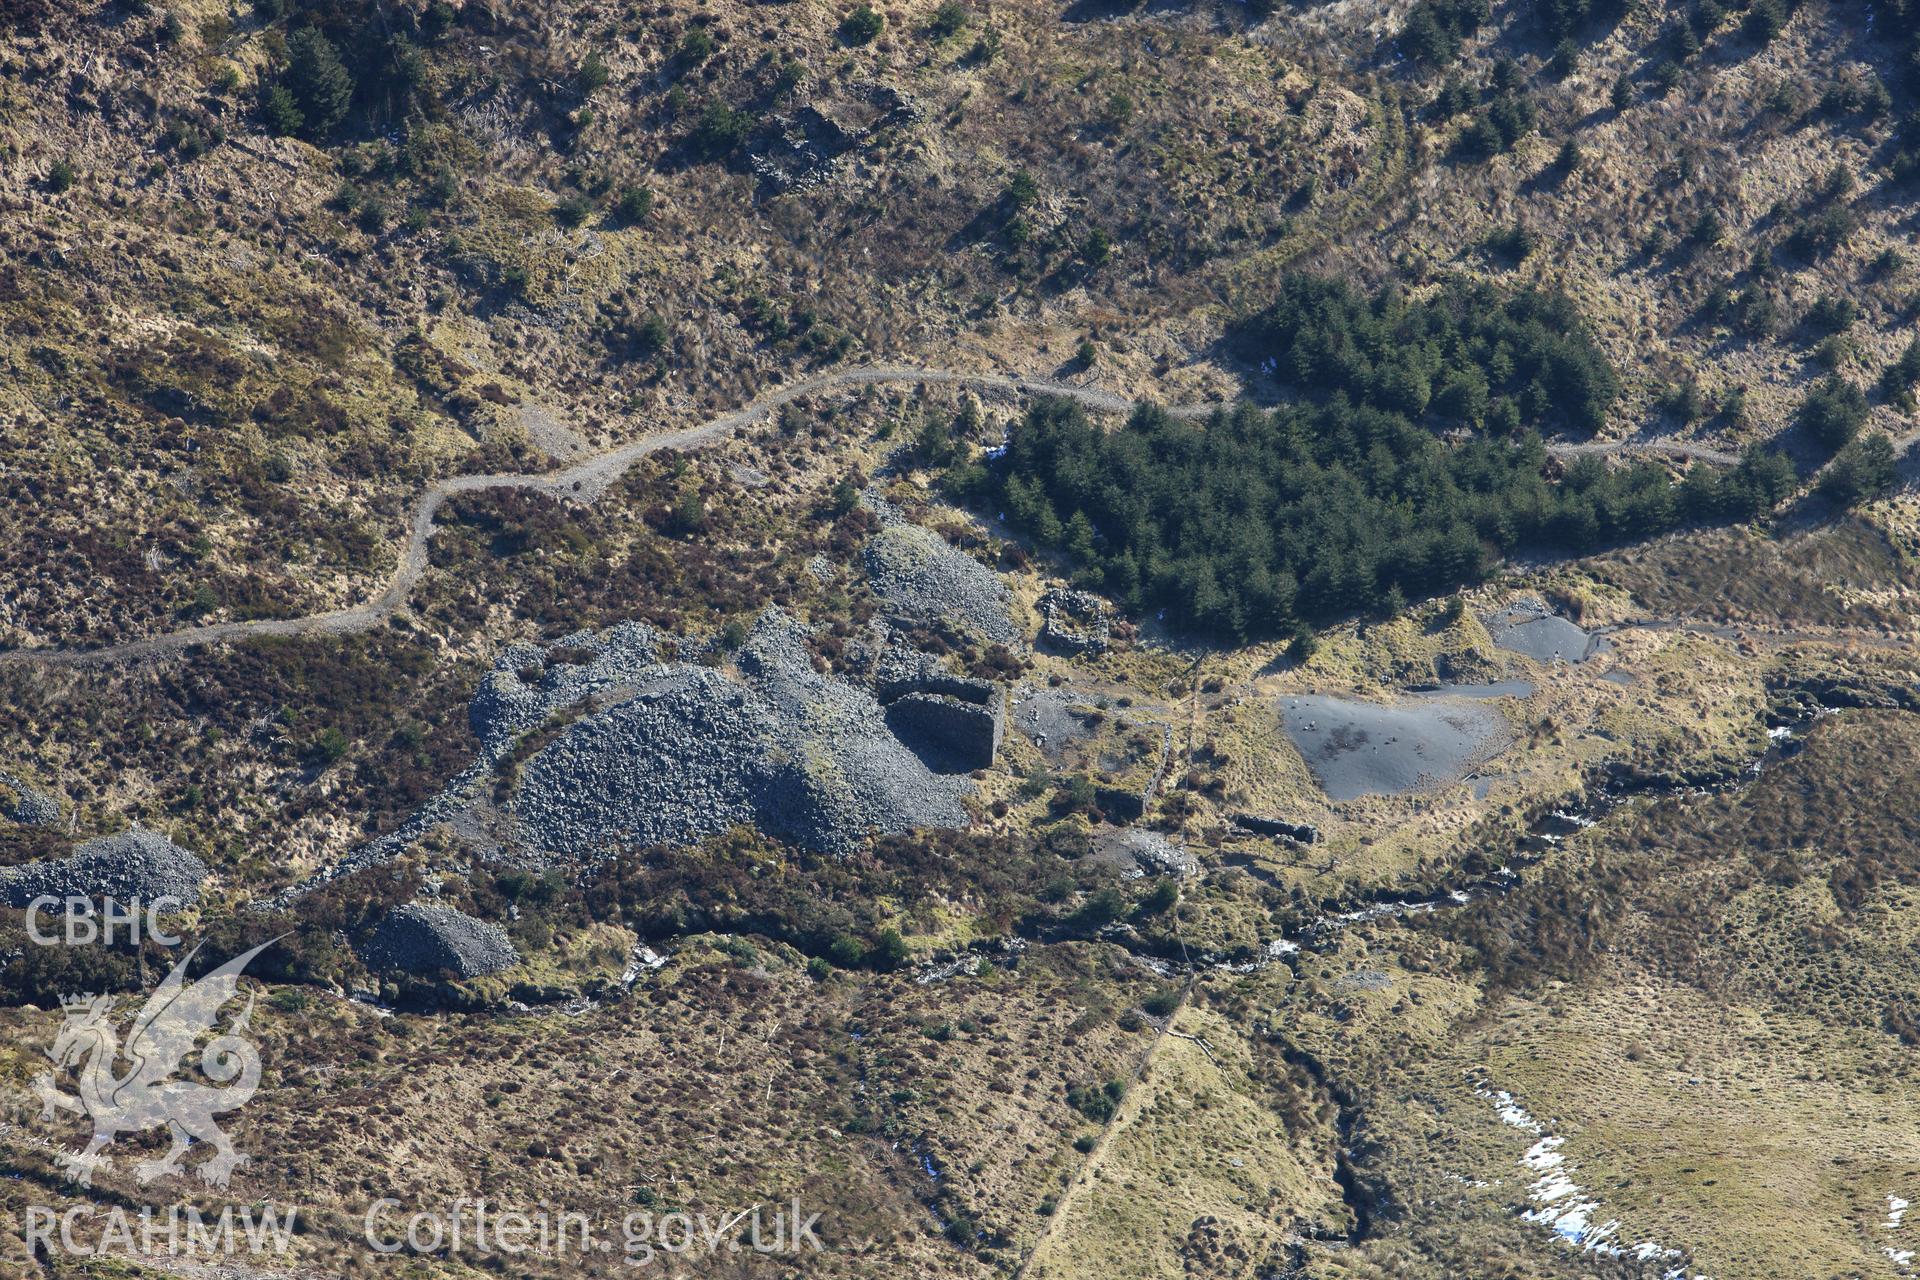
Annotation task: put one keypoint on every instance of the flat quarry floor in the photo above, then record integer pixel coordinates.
(1542, 636)
(1367, 748)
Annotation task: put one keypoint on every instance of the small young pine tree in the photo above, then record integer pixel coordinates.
(320, 84)
(634, 205)
(1765, 20)
(861, 25)
(1833, 412)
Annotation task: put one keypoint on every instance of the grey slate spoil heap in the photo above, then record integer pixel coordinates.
(692, 753)
(29, 806)
(422, 939)
(922, 577)
(134, 866)
(672, 752)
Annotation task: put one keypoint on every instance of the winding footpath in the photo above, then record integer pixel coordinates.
(588, 479)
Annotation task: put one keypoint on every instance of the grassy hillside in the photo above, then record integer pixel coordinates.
(277, 265)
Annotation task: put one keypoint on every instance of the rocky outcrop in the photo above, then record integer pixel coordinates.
(802, 151)
(135, 866)
(1299, 832)
(1074, 622)
(26, 804)
(424, 940)
(1146, 852)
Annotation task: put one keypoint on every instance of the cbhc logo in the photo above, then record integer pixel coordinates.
(84, 924)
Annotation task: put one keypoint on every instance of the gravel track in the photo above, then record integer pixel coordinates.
(588, 479)
(1673, 448)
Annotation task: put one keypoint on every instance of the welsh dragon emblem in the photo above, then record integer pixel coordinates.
(145, 1095)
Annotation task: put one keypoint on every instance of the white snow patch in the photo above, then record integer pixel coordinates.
(1509, 1111)
(1560, 1204)
(1896, 1219)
